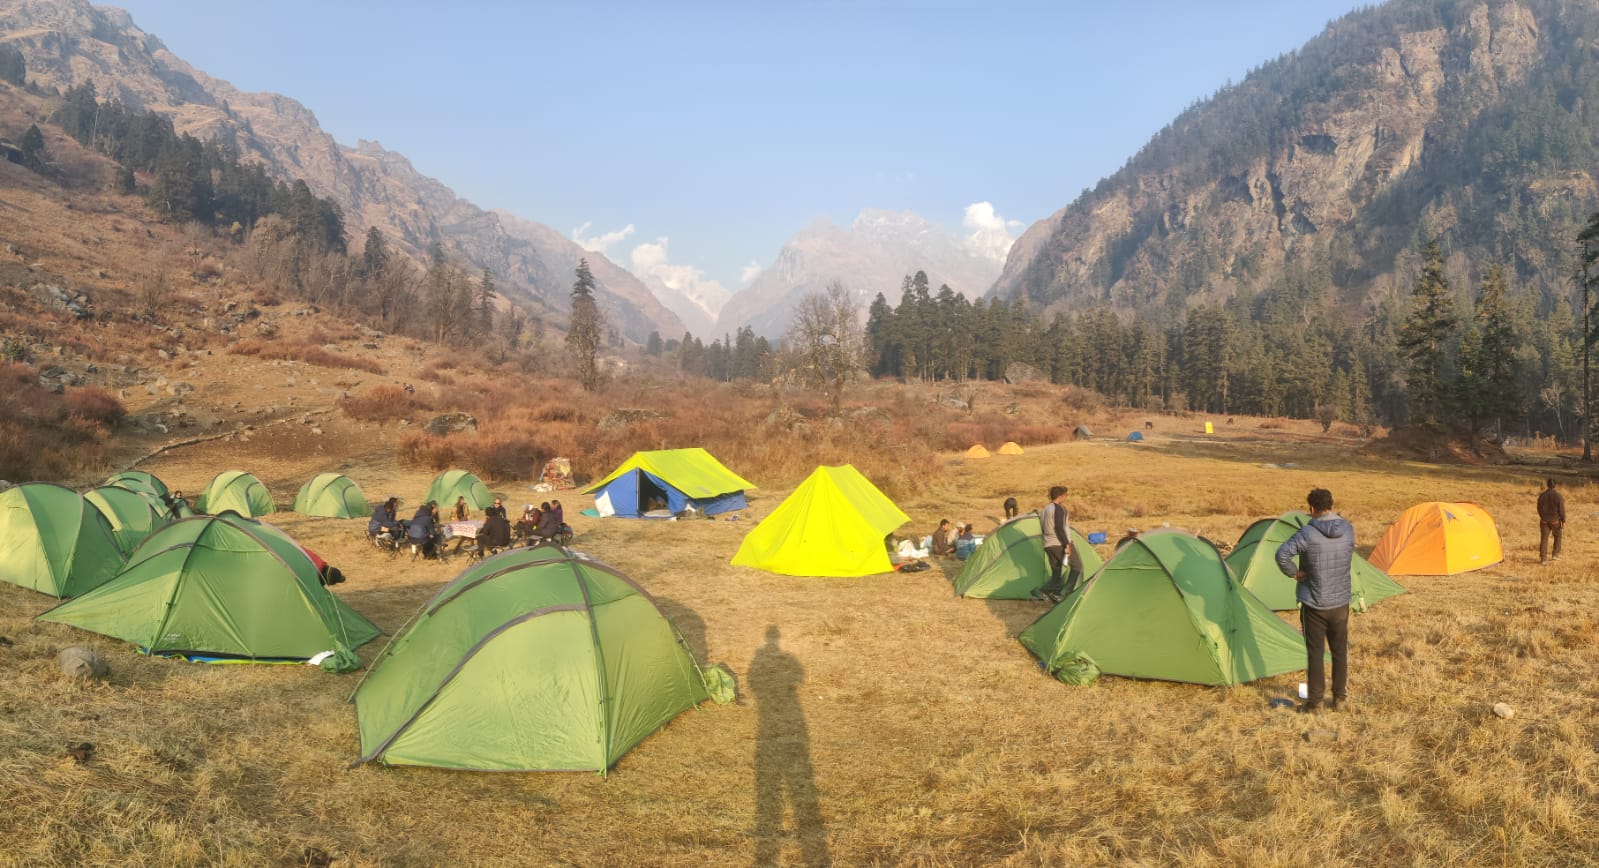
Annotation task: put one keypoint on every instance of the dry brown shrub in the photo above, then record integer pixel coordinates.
(96, 406)
(1273, 424)
(41, 437)
(332, 333)
(1234, 502)
(383, 403)
(302, 351)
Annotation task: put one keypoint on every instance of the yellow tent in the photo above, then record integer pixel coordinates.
(832, 525)
(1011, 447)
(977, 451)
(1439, 539)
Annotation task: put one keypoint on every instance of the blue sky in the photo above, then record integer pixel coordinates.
(727, 127)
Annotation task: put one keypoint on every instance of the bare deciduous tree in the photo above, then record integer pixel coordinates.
(827, 342)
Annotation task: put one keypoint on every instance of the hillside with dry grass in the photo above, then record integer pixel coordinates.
(901, 725)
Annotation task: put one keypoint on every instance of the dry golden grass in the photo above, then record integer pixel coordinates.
(930, 734)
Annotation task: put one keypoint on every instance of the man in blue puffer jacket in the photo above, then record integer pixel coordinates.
(1324, 548)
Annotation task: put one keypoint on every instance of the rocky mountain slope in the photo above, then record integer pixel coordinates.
(1467, 119)
(69, 42)
(872, 255)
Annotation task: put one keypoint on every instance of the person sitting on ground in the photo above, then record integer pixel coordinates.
(423, 530)
(943, 539)
(328, 574)
(498, 509)
(462, 511)
(560, 513)
(384, 520)
(529, 520)
(549, 527)
(1012, 509)
(177, 506)
(496, 532)
(965, 540)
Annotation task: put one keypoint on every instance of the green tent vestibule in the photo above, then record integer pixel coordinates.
(133, 517)
(54, 541)
(223, 587)
(532, 660)
(1166, 607)
(1254, 561)
(1011, 564)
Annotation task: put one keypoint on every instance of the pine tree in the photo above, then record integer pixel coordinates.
(485, 303)
(33, 155)
(1425, 338)
(586, 330)
(1487, 387)
(653, 344)
(13, 68)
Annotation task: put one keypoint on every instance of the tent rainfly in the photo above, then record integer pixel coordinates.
(236, 491)
(223, 588)
(1254, 562)
(1011, 564)
(331, 495)
(54, 541)
(1166, 607)
(1135, 437)
(141, 481)
(677, 478)
(452, 485)
(1081, 432)
(1011, 447)
(832, 525)
(1439, 539)
(977, 451)
(133, 517)
(532, 660)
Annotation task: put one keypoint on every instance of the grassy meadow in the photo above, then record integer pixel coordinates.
(889, 722)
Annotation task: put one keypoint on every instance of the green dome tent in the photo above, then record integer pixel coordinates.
(140, 481)
(1254, 561)
(133, 517)
(332, 495)
(55, 542)
(1011, 564)
(237, 491)
(532, 660)
(222, 587)
(453, 484)
(1166, 607)
(832, 525)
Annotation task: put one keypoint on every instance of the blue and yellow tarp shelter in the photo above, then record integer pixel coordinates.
(677, 478)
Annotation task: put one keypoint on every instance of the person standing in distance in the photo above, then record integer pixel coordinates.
(1058, 548)
(1551, 520)
(1325, 547)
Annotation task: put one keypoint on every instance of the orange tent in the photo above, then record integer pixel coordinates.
(1011, 447)
(977, 451)
(1439, 539)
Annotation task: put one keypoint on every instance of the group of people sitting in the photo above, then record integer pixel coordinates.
(425, 530)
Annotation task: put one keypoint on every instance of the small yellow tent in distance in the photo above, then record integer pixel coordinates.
(1011, 447)
(977, 451)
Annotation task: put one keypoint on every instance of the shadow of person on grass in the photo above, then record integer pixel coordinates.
(783, 758)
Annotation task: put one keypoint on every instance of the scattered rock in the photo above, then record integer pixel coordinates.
(4, 642)
(315, 857)
(1021, 372)
(625, 416)
(81, 752)
(164, 355)
(81, 662)
(1315, 735)
(788, 419)
(451, 423)
(1504, 711)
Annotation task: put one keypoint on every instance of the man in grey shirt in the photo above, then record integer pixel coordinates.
(1324, 548)
(1058, 548)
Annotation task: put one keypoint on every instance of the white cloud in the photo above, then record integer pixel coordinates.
(599, 243)
(990, 233)
(652, 263)
(749, 273)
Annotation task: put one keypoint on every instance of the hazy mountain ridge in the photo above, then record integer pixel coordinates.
(874, 254)
(1471, 119)
(67, 42)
